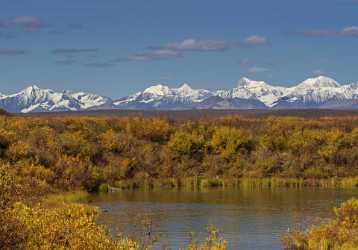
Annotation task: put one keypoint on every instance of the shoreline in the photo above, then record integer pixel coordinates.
(197, 183)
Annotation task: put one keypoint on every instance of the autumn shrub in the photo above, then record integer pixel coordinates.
(228, 142)
(340, 233)
(212, 242)
(67, 226)
(69, 153)
(14, 187)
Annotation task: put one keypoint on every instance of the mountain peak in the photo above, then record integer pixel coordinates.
(320, 82)
(158, 89)
(244, 81)
(34, 90)
(185, 86)
(185, 89)
(32, 87)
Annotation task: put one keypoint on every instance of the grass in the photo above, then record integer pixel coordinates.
(197, 183)
(70, 197)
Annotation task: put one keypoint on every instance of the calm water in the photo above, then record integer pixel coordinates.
(248, 219)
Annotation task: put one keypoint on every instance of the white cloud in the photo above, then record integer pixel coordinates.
(26, 23)
(254, 40)
(197, 45)
(159, 54)
(350, 31)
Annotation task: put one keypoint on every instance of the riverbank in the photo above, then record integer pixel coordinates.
(197, 183)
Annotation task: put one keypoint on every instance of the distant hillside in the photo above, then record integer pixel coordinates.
(204, 113)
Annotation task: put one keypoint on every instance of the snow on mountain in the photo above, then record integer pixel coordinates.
(161, 96)
(350, 91)
(35, 99)
(318, 82)
(317, 92)
(185, 92)
(257, 90)
(88, 101)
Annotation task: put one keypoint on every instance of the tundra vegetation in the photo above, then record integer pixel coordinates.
(43, 157)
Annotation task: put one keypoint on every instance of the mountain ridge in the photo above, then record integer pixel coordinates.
(315, 92)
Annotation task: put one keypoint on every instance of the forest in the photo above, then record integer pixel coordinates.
(42, 156)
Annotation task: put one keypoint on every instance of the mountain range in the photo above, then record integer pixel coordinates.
(317, 92)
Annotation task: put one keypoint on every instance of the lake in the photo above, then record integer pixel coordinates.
(247, 219)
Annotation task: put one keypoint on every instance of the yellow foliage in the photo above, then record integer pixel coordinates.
(187, 143)
(68, 226)
(340, 233)
(109, 140)
(212, 242)
(19, 150)
(227, 141)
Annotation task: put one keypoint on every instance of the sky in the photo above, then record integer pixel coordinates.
(115, 47)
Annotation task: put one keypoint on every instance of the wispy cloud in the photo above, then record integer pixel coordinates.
(26, 23)
(177, 49)
(254, 41)
(73, 51)
(192, 44)
(13, 52)
(351, 31)
(158, 54)
(164, 52)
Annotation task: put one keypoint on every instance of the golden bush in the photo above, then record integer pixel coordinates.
(340, 233)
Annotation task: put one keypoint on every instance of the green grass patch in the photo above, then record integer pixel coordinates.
(70, 197)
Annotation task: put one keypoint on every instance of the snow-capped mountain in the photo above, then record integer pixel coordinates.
(35, 99)
(257, 90)
(90, 101)
(164, 97)
(317, 92)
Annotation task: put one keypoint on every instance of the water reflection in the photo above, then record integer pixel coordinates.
(249, 219)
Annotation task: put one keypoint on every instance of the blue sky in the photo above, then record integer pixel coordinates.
(116, 47)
